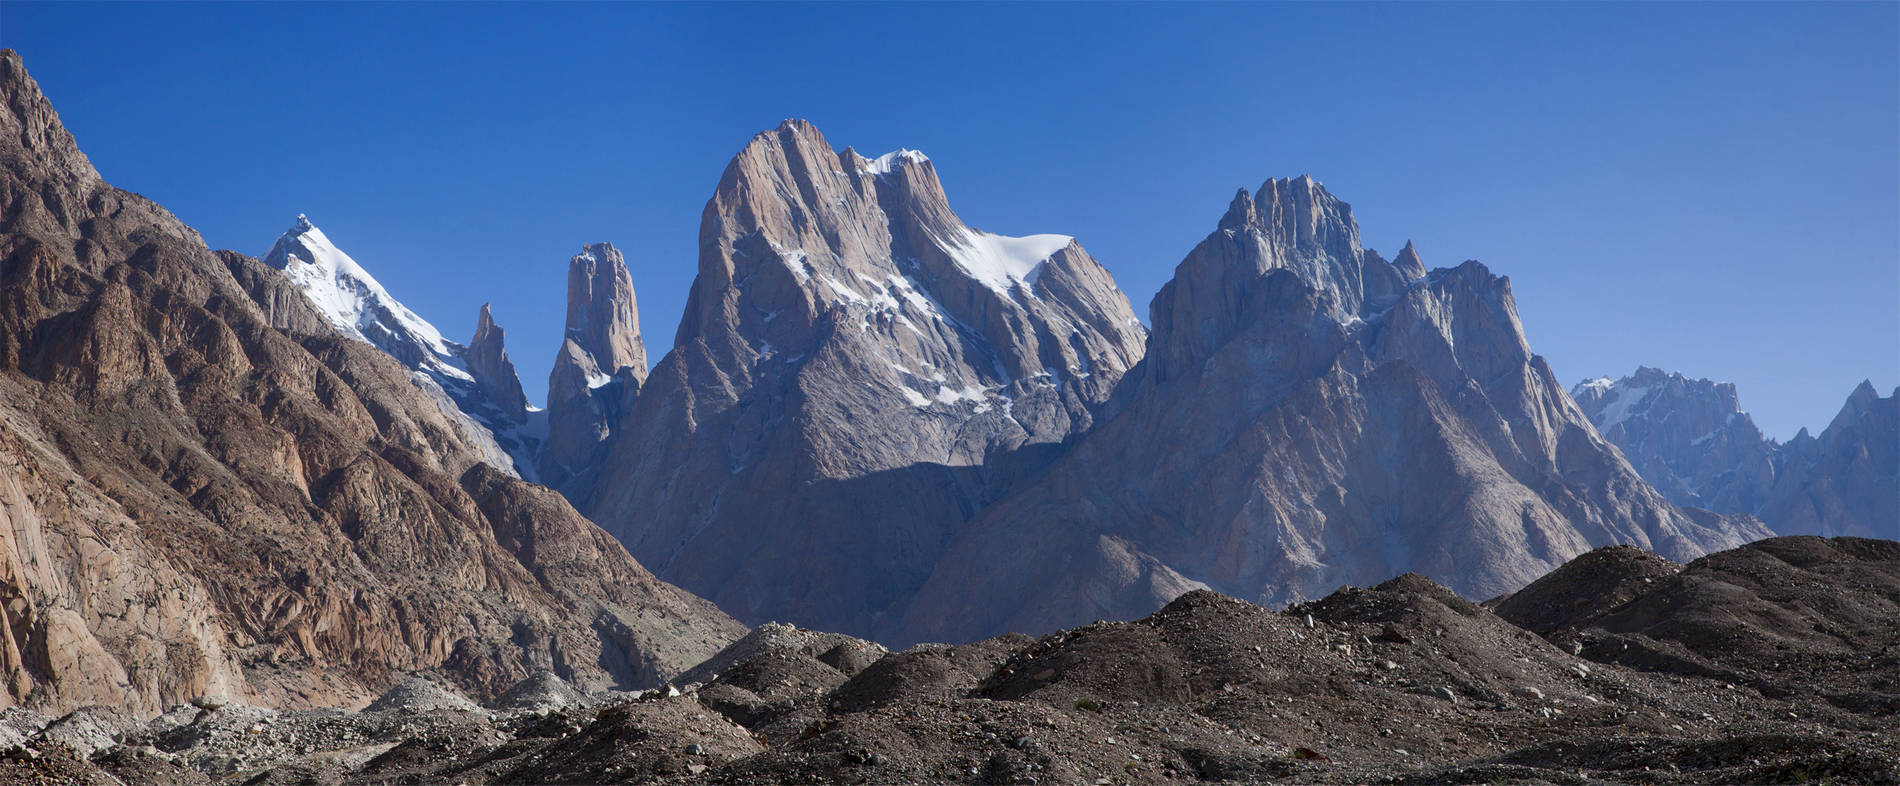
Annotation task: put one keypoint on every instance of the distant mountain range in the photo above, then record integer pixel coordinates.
(271, 479)
(1692, 441)
(880, 421)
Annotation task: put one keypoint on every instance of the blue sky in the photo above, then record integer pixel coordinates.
(1713, 188)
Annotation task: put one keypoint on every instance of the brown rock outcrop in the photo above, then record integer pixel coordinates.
(204, 490)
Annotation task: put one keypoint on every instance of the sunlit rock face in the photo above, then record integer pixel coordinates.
(599, 369)
(207, 486)
(474, 384)
(854, 373)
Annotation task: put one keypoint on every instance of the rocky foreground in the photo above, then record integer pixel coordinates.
(1778, 662)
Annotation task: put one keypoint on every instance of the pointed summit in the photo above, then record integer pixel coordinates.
(32, 134)
(475, 385)
(1845, 481)
(355, 303)
(1220, 288)
(602, 360)
(494, 373)
(1303, 419)
(1240, 212)
(1860, 402)
(1409, 265)
(1688, 437)
(1305, 220)
(603, 318)
(848, 332)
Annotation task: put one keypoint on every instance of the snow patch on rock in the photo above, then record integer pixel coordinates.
(1000, 261)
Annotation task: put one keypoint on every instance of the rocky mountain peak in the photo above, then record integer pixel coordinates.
(34, 135)
(1304, 219)
(1241, 213)
(1691, 440)
(800, 230)
(1862, 400)
(603, 318)
(1688, 437)
(1846, 481)
(474, 385)
(1410, 267)
(488, 363)
(354, 302)
(1612, 403)
(601, 366)
(1307, 409)
(1291, 224)
(849, 333)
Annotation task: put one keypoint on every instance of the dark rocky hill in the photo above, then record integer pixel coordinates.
(1402, 683)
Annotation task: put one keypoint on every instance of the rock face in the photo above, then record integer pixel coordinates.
(602, 316)
(1691, 440)
(206, 489)
(600, 368)
(483, 395)
(1688, 437)
(494, 373)
(1847, 481)
(856, 372)
(1308, 415)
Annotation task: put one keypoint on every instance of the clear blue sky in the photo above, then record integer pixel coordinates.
(1712, 188)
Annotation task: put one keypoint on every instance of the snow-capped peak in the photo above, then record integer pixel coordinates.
(1612, 401)
(1600, 385)
(359, 307)
(885, 164)
(354, 302)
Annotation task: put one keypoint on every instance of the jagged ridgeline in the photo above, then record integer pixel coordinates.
(1691, 439)
(874, 419)
(210, 485)
(879, 420)
(857, 372)
(1309, 415)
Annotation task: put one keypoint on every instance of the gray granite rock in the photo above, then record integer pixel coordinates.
(852, 378)
(1308, 415)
